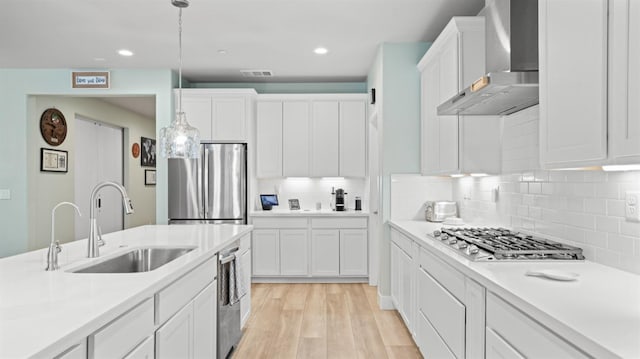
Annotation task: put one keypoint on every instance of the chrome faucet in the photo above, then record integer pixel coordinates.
(54, 247)
(95, 237)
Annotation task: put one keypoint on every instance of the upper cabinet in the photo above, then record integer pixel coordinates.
(588, 80)
(311, 135)
(456, 144)
(219, 114)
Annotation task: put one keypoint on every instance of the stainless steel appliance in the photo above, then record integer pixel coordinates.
(212, 189)
(228, 326)
(511, 61)
(438, 211)
(340, 199)
(500, 244)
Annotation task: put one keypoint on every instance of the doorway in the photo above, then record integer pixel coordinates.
(98, 158)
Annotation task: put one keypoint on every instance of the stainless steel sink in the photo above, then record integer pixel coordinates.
(137, 260)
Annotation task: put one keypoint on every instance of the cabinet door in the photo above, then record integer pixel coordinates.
(352, 139)
(430, 84)
(78, 351)
(143, 351)
(325, 252)
(229, 119)
(573, 82)
(353, 252)
(245, 302)
(498, 348)
(174, 339)
(266, 254)
(199, 114)
(294, 250)
(204, 322)
(448, 125)
(295, 139)
(624, 81)
(406, 286)
(395, 276)
(325, 142)
(269, 139)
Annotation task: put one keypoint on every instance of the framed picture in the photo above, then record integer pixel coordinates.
(294, 204)
(149, 177)
(53, 160)
(148, 155)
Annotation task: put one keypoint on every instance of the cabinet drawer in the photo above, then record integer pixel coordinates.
(123, 334)
(78, 351)
(497, 348)
(358, 222)
(143, 351)
(175, 296)
(444, 312)
(402, 241)
(273, 222)
(429, 342)
(448, 277)
(524, 334)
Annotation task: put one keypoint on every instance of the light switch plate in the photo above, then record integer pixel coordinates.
(632, 206)
(5, 193)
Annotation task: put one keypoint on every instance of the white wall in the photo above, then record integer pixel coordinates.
(410, 192)
(582, 208)
(46, 189)
(309, 191)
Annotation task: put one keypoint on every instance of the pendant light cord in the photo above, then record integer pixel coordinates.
(180, 60)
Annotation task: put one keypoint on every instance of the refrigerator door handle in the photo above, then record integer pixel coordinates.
(206, 182)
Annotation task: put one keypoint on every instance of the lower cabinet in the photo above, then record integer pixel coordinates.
(245, 260)
(325, 243)
(191, 332)
(78, 351)
(146, 350)
(280, 252)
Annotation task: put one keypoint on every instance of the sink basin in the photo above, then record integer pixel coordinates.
(136, 260)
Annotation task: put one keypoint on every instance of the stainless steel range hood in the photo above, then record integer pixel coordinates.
(511, 82)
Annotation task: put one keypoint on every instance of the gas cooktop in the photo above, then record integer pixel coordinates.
(489, 244)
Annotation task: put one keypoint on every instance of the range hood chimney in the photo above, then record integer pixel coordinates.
(511, 60)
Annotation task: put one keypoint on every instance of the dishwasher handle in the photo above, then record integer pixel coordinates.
(227, 259)
(228, 255)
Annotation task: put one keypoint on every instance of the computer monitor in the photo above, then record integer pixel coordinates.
(268, 201)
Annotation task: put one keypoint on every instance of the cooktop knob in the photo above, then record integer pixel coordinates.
(473, 249)
(436, 233)
(444, 236)
(462, 245)
(453, 241)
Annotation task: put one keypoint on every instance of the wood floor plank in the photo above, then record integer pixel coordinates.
(366, 335)
(340, 340)
(403, 352)
(333, 288)
(296, 296)
(312, 348)
(372, 296)
(392, 328)
(284, 343)
(314, 321)
(264, 328)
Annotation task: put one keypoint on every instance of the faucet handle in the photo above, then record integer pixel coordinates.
(101, 241)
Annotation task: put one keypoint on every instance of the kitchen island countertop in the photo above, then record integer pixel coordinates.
(599, 313)
(44, 313)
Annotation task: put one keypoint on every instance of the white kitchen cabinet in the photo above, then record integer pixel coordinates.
(190, 333)
(122, 335)
(78, 351)
(498, 348)
(266, 252)
(146, 350)
(295, 139)
(402, 284)
(219, 114)
(624, 81)
(269, 139)
(523, 334)
(245, 260)
(573, 82)
(325, 148)
(456, 144)
(353, 134)
(325, 246)
(353, 252)
(294, 252)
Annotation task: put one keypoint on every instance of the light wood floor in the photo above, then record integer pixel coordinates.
(322, 321)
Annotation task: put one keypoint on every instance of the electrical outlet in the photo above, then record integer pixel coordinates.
(632, 206)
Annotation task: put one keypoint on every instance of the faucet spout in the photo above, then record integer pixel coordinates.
(95, 237)
(54, 247)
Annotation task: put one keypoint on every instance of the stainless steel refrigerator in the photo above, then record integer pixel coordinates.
(211, 189)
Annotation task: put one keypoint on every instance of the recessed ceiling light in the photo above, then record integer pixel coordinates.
(320, 50)
(125, 52)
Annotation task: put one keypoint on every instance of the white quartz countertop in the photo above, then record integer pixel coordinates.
(43, 313)
(599, 312)
(309, 213)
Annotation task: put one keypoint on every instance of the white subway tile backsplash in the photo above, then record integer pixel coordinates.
(595, 176)
(535, 188)
(607, 190)
(595, 205)
(535, 212)
(630, 228)
(607, 224)
(528, 199)
(524, 187)
(615, 208)
(606, 257)
(575, 204)
(574, 176)
(596, 239)
(547, 188)
(557, 176)
(575, 234)
(630, 263)
(621, 244)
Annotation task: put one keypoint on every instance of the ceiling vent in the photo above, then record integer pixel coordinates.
(256, 73)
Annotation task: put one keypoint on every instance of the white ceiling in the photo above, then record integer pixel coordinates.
(277, 35)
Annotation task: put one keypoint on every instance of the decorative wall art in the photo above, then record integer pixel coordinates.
(135, 150)
(148, 156)
(53, 127)
(53, 160)
(149, 177)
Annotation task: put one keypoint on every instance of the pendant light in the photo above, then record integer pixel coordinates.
(180, 140)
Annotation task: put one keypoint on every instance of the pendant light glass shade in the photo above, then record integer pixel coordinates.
(179, 139)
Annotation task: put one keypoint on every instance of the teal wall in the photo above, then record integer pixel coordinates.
(289, 87)
(15, 87)
(397, 81)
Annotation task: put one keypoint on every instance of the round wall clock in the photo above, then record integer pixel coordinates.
(53, 127)
(135, 150)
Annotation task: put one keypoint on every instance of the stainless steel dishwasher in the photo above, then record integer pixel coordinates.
(229, 332)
